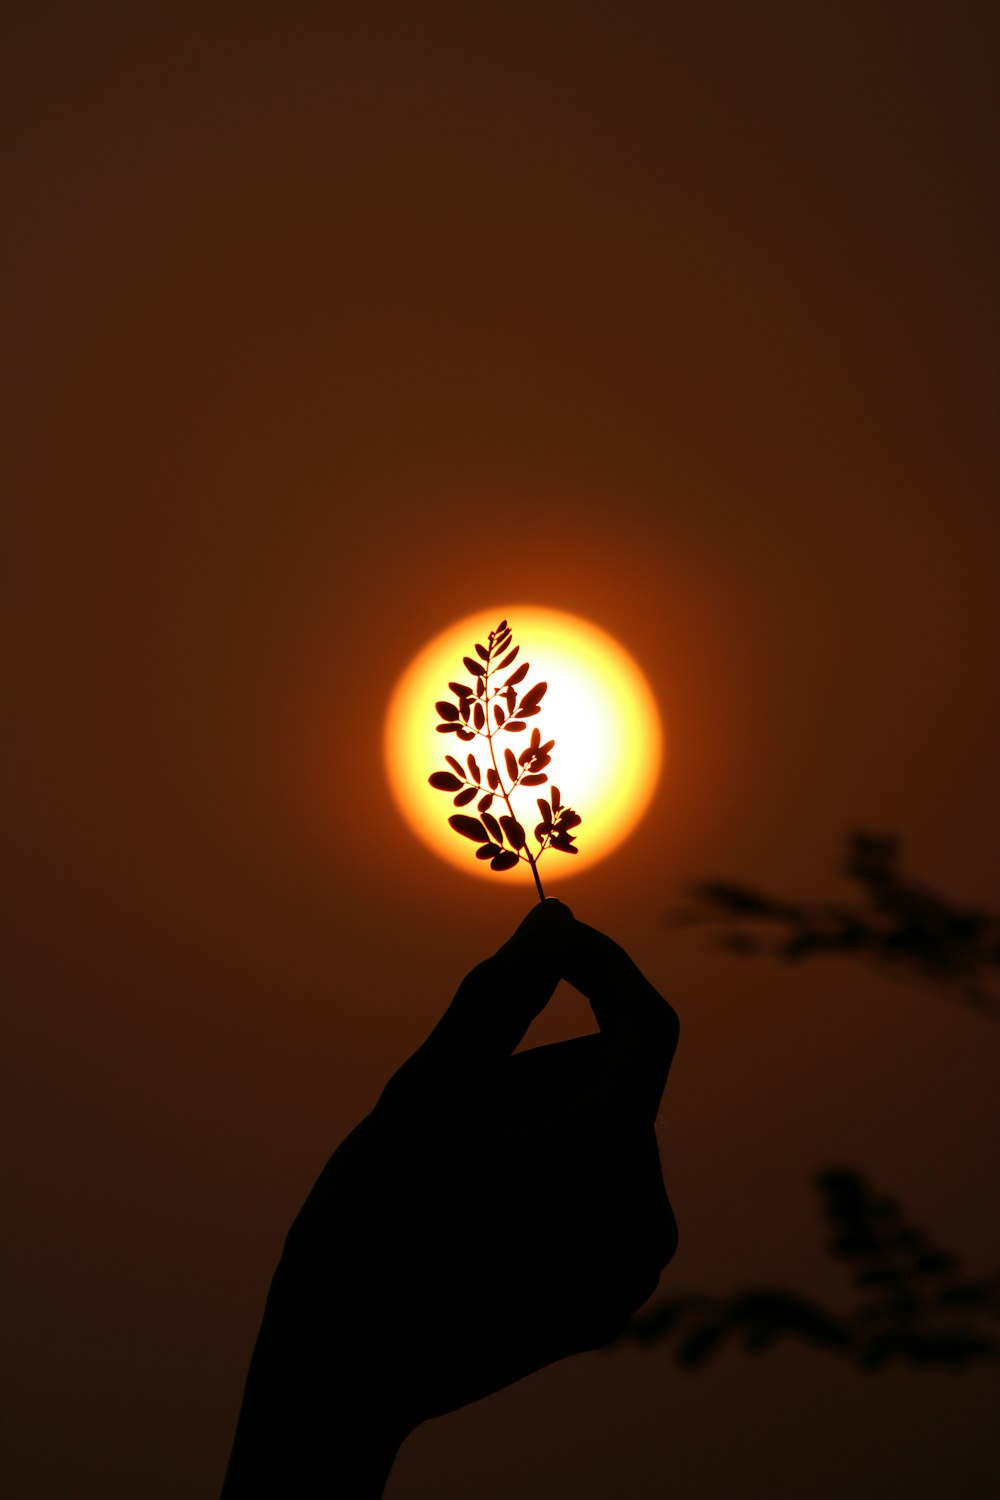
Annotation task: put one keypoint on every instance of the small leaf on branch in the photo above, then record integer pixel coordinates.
(514, 832)
(544, 808)
(505, 860)
(448, 729)
(444, 781)
(487, 851)
(461, 689)
(480, 686)
(485, 803)
(474, 769)
(465, 797)
(464, 734)
(511, 764)
(508, 659)
(465, 710)
(482, 652)
(498, 714)
(469, 828)
(534, 696)
(513, 725)
(472, 666)
(492, 827)
(446, 710)
(455, 765)
(478, 716)
(519, 675)
(535, 780)
(556, 798)
(493, 780)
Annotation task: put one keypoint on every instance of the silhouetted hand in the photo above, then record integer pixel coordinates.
(492, 1214)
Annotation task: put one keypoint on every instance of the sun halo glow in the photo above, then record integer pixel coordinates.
(598, 708)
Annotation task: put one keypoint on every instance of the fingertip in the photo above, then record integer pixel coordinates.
(545, 920)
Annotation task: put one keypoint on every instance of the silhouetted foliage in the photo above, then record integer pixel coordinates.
(915, 1305)
(897, 924)
(503, 842)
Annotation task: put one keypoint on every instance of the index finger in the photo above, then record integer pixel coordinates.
(496, 1002)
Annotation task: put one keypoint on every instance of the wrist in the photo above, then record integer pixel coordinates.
(305, 1431)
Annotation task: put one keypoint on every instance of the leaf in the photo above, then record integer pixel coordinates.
(556, 798)
(461, 689)
(498, 714)
(492, 827)
(527, 713)
(505, 860)
(514, 832)
(513, 725)
(511, 764)
(446, 710)
(485, 803)
(448, 729)
(544, 808)
(493, 780)
(464, 734)
(465, 710)
(478, 716)
(482, 652)
(519, 675)
(472, 666)
(508, 659)
(444, 781)
(469, 828)
(488, 851)
(465, 797)
(480, 686)
(534, 695)
(535, 780)
(501, 626)
(474, 770)
(456, 765)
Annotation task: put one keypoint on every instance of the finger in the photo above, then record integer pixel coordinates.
(641, 1029)
(498, 1000)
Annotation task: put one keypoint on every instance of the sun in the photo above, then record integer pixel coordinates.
(599, 710)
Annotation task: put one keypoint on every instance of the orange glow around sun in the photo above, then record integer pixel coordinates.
(598, 708)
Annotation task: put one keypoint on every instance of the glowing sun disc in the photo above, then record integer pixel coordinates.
(598, 708)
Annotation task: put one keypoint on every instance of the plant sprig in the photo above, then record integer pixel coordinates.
(483, 710)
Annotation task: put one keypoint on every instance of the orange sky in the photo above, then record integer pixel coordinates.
(298, 307)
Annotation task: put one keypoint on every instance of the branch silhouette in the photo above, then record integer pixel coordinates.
(915, 1305)
(484, 711)
(896, 924)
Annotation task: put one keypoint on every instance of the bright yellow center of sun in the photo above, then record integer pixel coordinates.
(598, 709)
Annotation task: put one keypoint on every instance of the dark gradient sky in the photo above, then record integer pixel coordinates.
(701, 302)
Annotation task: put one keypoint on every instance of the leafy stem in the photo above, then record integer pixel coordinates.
(503, 841)
(506, 791)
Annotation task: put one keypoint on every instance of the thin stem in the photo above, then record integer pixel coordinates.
(503, 790)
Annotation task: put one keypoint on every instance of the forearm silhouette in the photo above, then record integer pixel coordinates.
(492, 1214)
